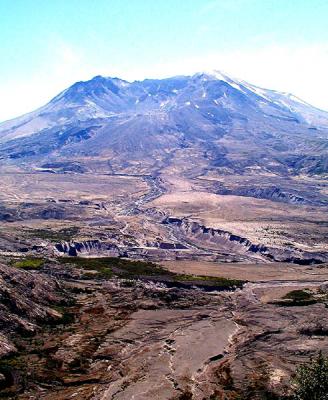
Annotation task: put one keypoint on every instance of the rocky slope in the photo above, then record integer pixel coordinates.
(210, 238)
(97, 329)
(26, 300)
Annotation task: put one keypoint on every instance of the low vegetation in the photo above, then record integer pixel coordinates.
(311, 380)
(101, 266)
(299, 297)
(216, 281)
(129, 270)
(65, 234)
(29, 263)
(107, 267)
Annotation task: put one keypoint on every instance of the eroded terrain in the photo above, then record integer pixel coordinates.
(163, 217)
(240, 301)
(221, 183)
(114, 329)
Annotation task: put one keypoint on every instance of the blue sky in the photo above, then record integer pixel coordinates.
(46, 45)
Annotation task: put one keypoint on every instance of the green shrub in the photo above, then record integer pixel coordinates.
(64, 234)
(106, 266)
(29, 263)
(311, 380)
(298, 295)
(213, 280)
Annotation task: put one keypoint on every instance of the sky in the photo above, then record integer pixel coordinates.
(45, 46)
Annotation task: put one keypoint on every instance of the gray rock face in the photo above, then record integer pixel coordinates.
(88, 247)
(6, 348)
(270, 193)
(25, 298)
(222, 240)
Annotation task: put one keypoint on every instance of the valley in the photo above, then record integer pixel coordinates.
(163, 217)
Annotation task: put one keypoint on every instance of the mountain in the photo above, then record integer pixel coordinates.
(212, 120)
(222, 183)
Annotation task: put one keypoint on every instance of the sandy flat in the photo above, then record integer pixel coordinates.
(251, 272)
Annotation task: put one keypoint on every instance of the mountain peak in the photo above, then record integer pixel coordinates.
(98, 86)
(202, 103)
(216, 75)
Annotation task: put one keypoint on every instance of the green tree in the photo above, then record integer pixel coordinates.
(311, 380)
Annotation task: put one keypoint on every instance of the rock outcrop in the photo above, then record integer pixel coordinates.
(214, 238)
(269, 193)
(26, 299)
(87, 247)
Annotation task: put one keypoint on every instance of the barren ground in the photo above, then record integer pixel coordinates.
(281, 272)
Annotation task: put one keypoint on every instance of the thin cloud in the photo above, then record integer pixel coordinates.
(299, 70)
(63, 65)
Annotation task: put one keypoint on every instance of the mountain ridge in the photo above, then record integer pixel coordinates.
(218, 75)
(148, 119)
